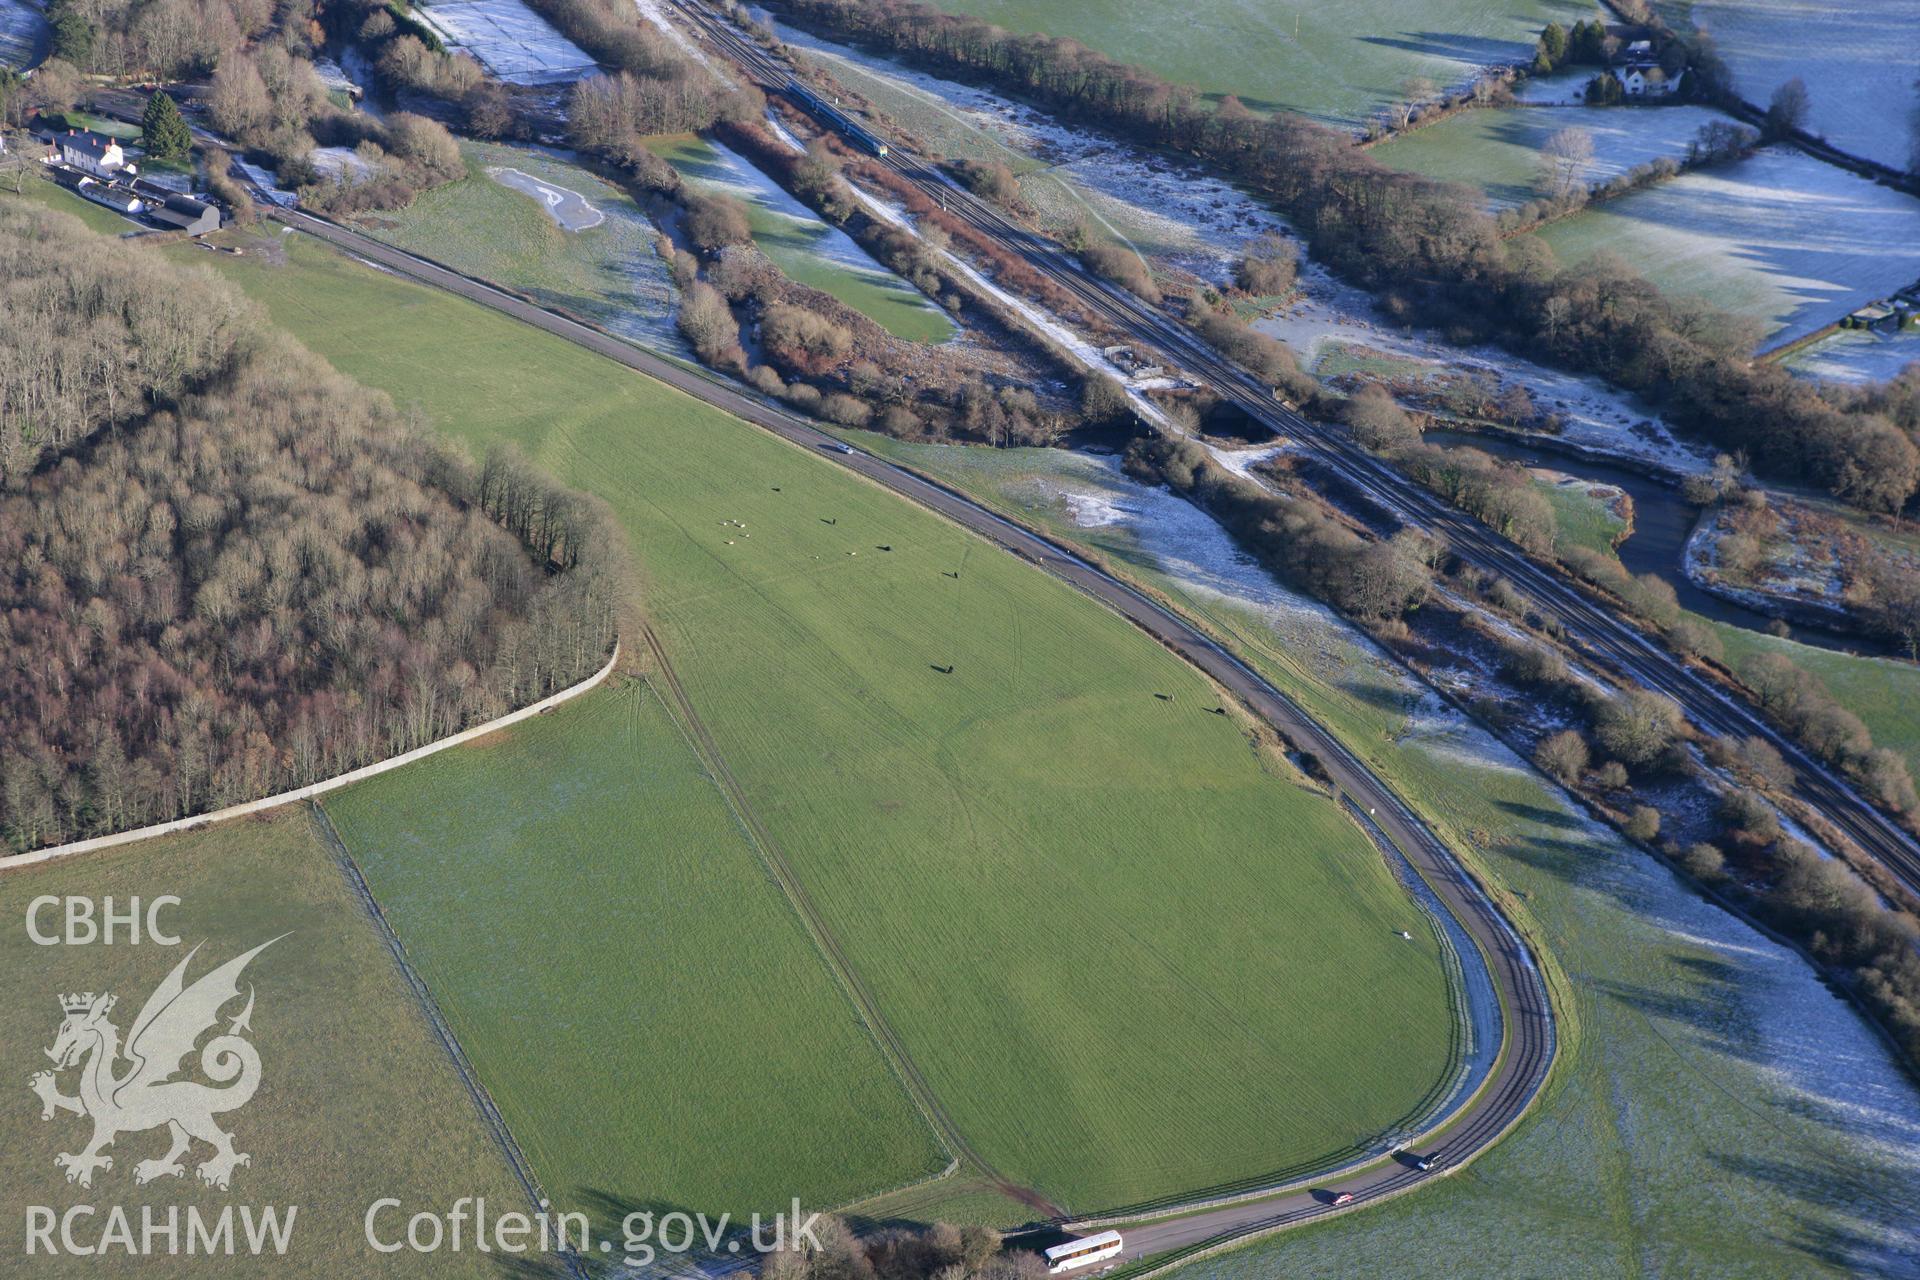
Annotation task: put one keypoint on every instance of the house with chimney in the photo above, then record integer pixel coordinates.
(89, 152)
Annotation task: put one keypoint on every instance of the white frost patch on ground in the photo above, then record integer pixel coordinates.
(569, 209)
(1594, 416)
(510, 40)
(1858, 62)
(1082, 351)
(1089, 510)
(1499, 149)
(1781, 238)
(1857, 355)
(338, 162)
(23, 33)
(1242, 461)
(785, 134)
(1564, 89)
(264, 180)
(735, 175)
(1435, 727)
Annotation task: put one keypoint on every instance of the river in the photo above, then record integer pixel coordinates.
(1662, 523)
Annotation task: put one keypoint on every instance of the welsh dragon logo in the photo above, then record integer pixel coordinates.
(145, 1094)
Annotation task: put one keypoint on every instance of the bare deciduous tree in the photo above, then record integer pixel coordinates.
(1565, 158)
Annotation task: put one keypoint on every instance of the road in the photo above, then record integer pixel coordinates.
(1527, 1013)
(1602, 633)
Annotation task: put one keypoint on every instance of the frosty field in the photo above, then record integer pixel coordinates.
(510, 40)
(1780, 238)
(1499, 150)
(23, 33)
(1719, 1111)
(1857, 61)
(1336, 62)
(1857, 355)
(1216, 1011)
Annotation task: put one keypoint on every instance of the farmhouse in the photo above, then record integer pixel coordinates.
(190, 215)
(87, 151)
(1647, 80)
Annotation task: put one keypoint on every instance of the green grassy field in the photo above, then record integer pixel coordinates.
(577, 883)
(804, 247)
(1499, 150)
(608, 273)
(1717, 1111)
(1884, 692)
(1584, 520)
(1336, 62)
(1130, 952)
(357, 1100)
(43, 192)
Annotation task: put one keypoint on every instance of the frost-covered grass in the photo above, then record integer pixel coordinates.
(806, 248)
(1718, 1113)
(607, 272)
(1858, 62)
(1160, 206)
(510, 40)
(1857, 355)
(23, 33)
(1499, 150)
(1335, 328)
(1337, 62)
(1782, 238)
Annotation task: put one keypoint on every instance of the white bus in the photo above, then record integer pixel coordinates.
(1075, 1254)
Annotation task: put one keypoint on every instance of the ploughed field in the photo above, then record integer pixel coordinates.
(1131, 952)
(357, 1099)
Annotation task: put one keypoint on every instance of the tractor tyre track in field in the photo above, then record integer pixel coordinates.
(831, 952)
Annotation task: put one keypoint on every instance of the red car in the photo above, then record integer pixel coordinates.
(1345, 1197)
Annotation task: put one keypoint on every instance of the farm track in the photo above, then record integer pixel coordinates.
(1217, 1217)
(1618, 645)
(823, 936)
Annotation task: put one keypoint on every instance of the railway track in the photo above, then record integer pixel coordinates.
(1621, 646)
(1175, 1231)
